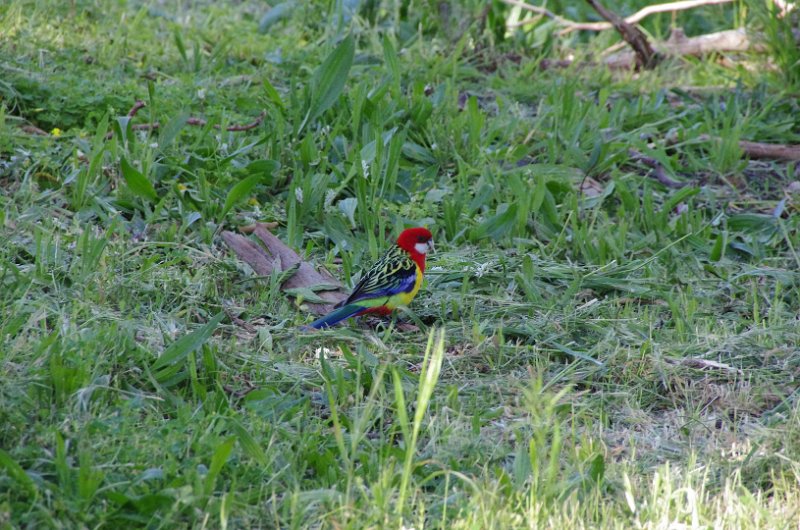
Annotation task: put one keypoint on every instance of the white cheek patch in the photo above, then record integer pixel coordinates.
(422, 248)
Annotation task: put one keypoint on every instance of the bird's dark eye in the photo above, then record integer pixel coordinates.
(422, 239)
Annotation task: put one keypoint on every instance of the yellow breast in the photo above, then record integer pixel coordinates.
(405, 298)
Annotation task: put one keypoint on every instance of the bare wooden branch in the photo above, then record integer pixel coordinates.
(658, 173)
(276, 256)
(677, 45)
(571, 25)
(771, 151)
(539, 10)
(644, 13)
(198, 122)
(32, 129)
(246, 126)
(646, 56)
(136, 106)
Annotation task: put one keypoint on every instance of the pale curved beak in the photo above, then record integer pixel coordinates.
(424, 248)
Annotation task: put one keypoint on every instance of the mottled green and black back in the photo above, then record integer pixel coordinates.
(394, 272)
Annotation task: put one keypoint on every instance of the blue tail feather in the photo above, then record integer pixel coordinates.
(337, 315)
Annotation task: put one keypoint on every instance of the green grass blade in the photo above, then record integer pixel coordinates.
(179, 349)
(16, 472)
(137, 182)
(217, 462)
(329, 79)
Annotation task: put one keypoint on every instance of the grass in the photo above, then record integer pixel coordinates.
(617, 357)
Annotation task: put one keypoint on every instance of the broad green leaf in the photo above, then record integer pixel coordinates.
(575, 354)
(249, 444)
(718, 250)
(179, 349)
(306, 294)
(391, 60)
(597, 469)
(498, 225)
(329, 79)
(348, 208)
(137, 182)
(272, 94)
(180, 45)
(417, 152)
(275, 14)
(170, 131)
(762, 227)
(264, 167)
(241, 190)
(217, 462)
(677, 198)
(16, 472)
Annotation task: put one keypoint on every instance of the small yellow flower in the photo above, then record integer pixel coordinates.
(182, 187)
(56, 132)
(252, 201)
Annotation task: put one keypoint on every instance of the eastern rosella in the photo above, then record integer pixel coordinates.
(393, 280)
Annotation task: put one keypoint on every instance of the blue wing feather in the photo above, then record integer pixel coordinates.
(404, 284)
(395, 272)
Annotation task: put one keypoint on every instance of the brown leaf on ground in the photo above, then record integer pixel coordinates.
(590, 187)
(274, 255)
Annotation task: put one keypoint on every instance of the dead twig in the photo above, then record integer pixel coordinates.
(643, 13)
(539, 10)
(771, 151)
(646, 56)
(197, 122)
(669, 7)
(762, 150)
(136, 106)
(677, 45)
(759, 150)
(274, 255)
(32, 129)
(658, 173)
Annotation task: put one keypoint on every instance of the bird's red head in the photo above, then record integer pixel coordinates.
(417, 242)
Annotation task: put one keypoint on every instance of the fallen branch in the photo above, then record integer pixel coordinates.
(771, 151)
(136, 106)
(539, 10)
(644, 13)
(677, 45)
(760, 150)
(197, 122)
(669, 7)
(646, 56)
(32, 129)
(658, 173)
(274, 255)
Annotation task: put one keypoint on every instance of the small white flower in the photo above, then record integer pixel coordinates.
(481, 269)
(329, 196)
(153, 145)
(201, 94)
(365, 168)
(322, 353)
(298, 194)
